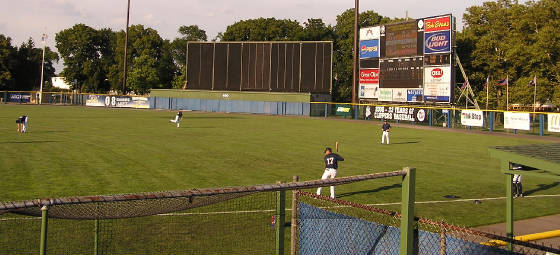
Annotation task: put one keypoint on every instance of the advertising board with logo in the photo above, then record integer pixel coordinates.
(369, 49)
(517, 120)
(414, 95)
(437, 42)
(19, 98)
(437, 24)
(553, 123)
(369, 33)
(385, 94)
(118, 101)
(472, 118)
(399, 113)
(399, 95)
(343, 110)
(369, 76)
(437, 83)
(369, 91)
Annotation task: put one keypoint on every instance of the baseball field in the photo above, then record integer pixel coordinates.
(71, 151)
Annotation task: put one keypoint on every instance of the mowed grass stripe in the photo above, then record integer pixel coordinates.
(85, 151)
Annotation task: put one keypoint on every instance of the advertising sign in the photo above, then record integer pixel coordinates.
(437, 83)
(385, 94)
(401, 39)
(517, 120)
(400, 113)
(118, 101)
(437, 24)
(343, 110)
(20, 98)
(369, 49)
(437, 42)
(369, 33)
(369, 90)
(472, 118)
(414, 95)
(369, 76)
(554, 123)
(399, 95)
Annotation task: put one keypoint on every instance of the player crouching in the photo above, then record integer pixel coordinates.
(22, 124)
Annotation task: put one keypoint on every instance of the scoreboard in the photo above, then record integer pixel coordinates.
(413, 60)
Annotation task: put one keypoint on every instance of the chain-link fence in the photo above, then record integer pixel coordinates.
(331, 226)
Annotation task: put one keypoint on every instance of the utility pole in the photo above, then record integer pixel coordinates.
(44, 40)
(125, 47)
(355, 55)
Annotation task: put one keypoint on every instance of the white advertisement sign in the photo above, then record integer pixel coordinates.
(472, 118)
(385, 94)
(399, 95)
(369, 90)
(437, 83)
(517, 120)
(554, 123)
(369, 33)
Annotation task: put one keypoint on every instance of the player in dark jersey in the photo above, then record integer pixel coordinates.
(386, 128)
(331, 165)
(178, 118)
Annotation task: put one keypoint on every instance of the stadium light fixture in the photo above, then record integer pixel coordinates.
(125, 48)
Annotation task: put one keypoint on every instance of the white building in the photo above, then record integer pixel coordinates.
(60, 82)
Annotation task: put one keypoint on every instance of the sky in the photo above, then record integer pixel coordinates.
(23, 19)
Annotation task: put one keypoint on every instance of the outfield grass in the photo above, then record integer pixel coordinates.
(87, 151)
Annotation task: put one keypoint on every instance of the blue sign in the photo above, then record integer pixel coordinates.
(437, 42)
(20, 97)
(437, 98)
(414, 95)
(369, 49)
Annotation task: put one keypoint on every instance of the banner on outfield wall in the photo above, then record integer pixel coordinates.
(554, 123)
(399, 113)
(20, 98)
(369, 90)
(118, 101)
(414, 95)
(399, 95)
(517, 120)
(472, 118)
(437, 80)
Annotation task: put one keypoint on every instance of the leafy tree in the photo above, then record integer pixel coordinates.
(262, 29)
(27, 68)
(87, 53)
(179, 50)
(343, 47)
(7, 55)
(316, 30)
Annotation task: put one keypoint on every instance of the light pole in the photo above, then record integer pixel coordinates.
(125, 47)
(355, 56)
(44, 40)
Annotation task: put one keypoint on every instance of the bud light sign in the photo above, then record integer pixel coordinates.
(437, 42)
(369, 49)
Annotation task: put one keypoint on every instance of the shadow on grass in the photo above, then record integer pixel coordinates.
(24, 142)
(394, 186)
(409, 142)
(541, 187)
(186, 118)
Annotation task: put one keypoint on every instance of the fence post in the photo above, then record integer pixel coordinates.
(442, 239)
(356, 109)
(448, 118)
(293, 236)
(96, 238)
(541, 124)
(509, 205)
(44, 225)
(430, 115)
(280, 221)
(407, 211)
(491, 124)
(5, 97)
(326, 110)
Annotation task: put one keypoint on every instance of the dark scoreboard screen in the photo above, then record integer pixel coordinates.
(401, 39)
(401, 72)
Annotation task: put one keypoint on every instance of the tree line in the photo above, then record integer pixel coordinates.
(499, 39)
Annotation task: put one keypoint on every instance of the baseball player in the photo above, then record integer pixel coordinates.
(22, 124)
(517, 187)
(331, 165)
(178, 118)
(385, 128)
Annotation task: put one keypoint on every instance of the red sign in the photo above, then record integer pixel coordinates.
(437, 73)
(369, 76)
(437, 24)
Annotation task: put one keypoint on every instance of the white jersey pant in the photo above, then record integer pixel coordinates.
(24, 125)
(176, 120)
(385, 134)
(329, 173)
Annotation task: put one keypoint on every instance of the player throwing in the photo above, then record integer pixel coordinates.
(385, 128)
(331, 165)
(178, 118)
